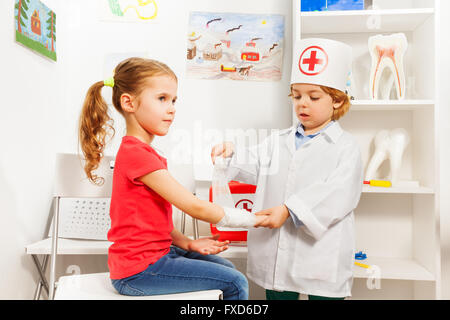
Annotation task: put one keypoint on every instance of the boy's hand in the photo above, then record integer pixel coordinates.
(209, 245)
(224, 150)
(274, 217)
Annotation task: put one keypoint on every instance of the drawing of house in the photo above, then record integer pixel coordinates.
(191, 50)
(213, 52)
(192, 47)
(36, 23)
(250, 52)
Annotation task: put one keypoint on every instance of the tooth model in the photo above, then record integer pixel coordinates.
(388, 145)
(387, 52)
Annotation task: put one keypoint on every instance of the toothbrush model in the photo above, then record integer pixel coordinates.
(387, 52)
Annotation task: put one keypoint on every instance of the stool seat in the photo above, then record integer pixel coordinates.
(98, 286)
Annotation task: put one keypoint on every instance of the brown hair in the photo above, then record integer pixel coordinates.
(95, 124)
(337, 96)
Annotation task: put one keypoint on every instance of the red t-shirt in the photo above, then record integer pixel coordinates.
(141, 220)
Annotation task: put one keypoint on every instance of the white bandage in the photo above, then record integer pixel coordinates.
(237, 218)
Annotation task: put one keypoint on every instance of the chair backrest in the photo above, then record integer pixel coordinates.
(71, 180)
(84, 206)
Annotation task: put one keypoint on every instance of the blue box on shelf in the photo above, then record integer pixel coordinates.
(333, 5)
(314, 5)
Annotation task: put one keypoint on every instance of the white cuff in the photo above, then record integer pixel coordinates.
(305, 215)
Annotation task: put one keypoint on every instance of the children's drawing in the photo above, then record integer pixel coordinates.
(128, 10)
(235, 46)
(35, 27)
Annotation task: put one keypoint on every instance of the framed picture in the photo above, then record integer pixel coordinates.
(235, 46)
(35, 26)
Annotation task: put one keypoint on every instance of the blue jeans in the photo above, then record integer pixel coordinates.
(184, 271)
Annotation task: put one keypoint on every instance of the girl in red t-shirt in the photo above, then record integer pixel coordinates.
(148, 255)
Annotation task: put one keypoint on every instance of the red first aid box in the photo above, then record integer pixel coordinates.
(243, 196)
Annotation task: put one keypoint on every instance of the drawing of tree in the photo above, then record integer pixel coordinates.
(22, 7)
(115, 8)
(51, 28)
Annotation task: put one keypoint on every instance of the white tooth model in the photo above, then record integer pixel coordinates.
(387, 52)
(388, 145)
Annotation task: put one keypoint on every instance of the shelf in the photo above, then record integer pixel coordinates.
(390, 268)
(414, 190)
(234, 252)
(69, 246)
(394, 269)
(393, 105)
(377, 21)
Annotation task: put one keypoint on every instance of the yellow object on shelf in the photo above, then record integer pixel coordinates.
(379, 183)
(359, 264)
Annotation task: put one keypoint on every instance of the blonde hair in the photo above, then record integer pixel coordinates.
(95, 124)
(337, 96)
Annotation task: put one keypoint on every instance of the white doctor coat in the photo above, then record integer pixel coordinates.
(321, 184)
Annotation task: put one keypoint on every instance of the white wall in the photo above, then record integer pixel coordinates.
(42, 101)
(32, 92)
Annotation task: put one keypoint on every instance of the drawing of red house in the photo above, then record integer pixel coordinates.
(36, 23)
(250, 52)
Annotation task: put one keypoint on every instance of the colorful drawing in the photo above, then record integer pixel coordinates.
(129, 10)
(235, 46)
(36, 27)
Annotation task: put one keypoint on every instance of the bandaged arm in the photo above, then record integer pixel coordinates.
(237, 218)
(233, 217)
(324, 203)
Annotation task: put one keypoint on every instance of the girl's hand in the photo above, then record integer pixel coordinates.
(209, 245)
(224, 150)
(274, 217)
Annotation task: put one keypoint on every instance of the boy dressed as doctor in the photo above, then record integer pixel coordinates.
(309, 180)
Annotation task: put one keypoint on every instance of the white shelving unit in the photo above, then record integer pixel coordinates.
(364, 21)
(419, 190)
(391, 105)
(398, 228)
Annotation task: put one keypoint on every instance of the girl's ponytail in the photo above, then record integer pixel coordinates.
(95, 126)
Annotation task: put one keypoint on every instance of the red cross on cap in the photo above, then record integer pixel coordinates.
(313, 61)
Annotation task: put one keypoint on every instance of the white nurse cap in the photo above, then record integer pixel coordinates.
(322, 62)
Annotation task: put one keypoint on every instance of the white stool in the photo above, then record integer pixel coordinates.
(97, 286)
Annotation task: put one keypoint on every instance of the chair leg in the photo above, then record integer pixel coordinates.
(195, 228)
(42, 282)
(183, 222)
(54, 251)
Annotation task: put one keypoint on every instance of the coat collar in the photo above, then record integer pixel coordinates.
(333, 132)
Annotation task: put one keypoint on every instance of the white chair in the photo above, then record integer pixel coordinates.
(72, 183)
(97, 286)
